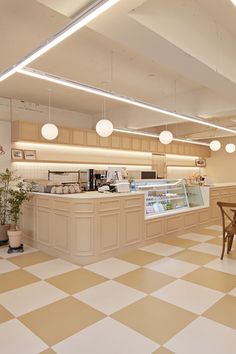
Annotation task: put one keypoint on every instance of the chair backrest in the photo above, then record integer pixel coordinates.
(226, 212)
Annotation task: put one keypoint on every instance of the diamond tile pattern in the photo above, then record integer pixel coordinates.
(172, 296)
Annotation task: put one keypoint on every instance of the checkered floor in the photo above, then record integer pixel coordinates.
(174, 296)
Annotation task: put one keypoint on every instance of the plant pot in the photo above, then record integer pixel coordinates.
(15, 237)
(3, 234)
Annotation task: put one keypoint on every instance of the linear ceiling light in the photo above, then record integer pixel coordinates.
(152, 135)
(116, 96)
(86, 16)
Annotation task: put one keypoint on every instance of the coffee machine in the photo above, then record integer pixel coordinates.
(87, 181)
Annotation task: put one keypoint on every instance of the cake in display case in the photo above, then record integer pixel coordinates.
(163, 196)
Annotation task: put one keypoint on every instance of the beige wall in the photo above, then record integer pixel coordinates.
(5, 141)
(221, 167)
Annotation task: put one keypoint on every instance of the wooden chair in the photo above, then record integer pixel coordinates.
(228, 212)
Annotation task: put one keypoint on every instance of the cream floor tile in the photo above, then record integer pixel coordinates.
(51, 268)
(4, 314)
(16, 338)
(196, 237)
(233, 292)
(226, 265)
(59, 320)
(15, 279)
(4, 254)
(207, 248)
(111, 267)
(189, 296)
(31, 258)
(109, 297)
(30, 297)
(6, 266)
(204, 336)
(139, 257)
(172, 267)
(212, 279)
(214, 227)
(76, 280)
(224, 311)
(194, 257)
(145, 280)
(154, 318)
(162, 249)
(106, 337)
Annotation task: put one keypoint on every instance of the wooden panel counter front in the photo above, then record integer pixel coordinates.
(87, 227)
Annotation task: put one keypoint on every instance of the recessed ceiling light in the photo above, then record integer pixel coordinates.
(234, 2)
(86, 16)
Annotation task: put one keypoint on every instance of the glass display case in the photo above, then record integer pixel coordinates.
(163, 196)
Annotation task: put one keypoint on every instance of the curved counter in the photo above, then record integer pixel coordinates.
(84, 228)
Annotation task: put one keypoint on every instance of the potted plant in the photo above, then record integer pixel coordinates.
(17, 196)
(6, 179)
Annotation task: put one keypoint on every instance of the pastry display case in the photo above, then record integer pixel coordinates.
(164, 196)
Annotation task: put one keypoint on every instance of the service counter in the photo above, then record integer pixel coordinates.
(87, 227)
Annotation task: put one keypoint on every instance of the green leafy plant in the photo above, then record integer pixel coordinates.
(7, 178)
(17, 196)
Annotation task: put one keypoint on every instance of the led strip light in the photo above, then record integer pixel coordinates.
(151, 135)
(86, 16)
(117, 97)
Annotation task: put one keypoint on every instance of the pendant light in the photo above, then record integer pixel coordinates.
(166, 137)
(215, 145)
(49, 131)
(230, 148)
(104, 127)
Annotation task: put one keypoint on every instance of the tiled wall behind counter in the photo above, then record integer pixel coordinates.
(40, 170)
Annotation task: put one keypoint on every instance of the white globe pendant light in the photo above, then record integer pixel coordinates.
(49, 131)
(215, 145)
(166, 137)
(230, 148)
(104, 128)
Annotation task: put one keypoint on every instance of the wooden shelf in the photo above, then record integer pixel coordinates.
(182, 166)
(81, 162)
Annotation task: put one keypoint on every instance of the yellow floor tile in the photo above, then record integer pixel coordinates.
(162, 350)
(194, 257)
(224, 311)
(145, 280)
(48, 351)
(76, 280)
(16, 279)
(5, 315)
(139, 257)
(154, 318)
(216, 241)
(55, 322)
(203, 231)
(176, 241)
(212, 279)
(31, 259)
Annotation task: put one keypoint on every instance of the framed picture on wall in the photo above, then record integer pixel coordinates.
(17, 154)
(30, 154)
(200, 162)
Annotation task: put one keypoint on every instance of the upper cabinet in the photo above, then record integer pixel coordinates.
(29, 131)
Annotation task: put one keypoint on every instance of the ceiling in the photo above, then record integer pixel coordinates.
(178, 54)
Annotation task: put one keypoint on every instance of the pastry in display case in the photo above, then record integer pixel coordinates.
(163, 196)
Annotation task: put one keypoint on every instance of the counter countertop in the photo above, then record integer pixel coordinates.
(222, 184)
(89, 195)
